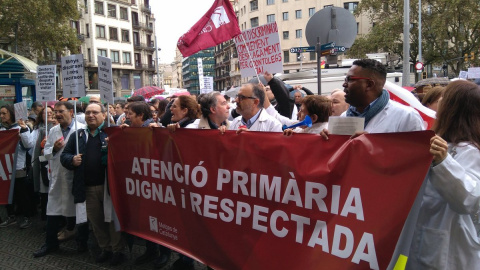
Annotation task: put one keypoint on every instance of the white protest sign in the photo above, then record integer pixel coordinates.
(45, 84)
(474, 73)
(208, 85)
(262, 44)
(73, 76)
(105, 81)
(463, 74)
(200, 73)
(21, 111)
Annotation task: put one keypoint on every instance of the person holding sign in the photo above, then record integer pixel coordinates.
(447, 231)
(20, 190)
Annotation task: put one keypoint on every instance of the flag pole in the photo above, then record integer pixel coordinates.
(75, 120)
(250, 57)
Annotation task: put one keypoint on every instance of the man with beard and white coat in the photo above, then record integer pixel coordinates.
(60, 199)
(253, 117)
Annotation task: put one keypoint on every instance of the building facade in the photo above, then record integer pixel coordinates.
(190, 69)
(122, 30)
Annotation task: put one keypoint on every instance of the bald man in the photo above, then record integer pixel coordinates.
(339, 105)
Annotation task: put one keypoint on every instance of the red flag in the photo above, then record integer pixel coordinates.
(219, 24)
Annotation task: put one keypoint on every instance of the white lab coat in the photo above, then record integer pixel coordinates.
(264, 122)
(60, 198)
(395, 117)
(445, 235)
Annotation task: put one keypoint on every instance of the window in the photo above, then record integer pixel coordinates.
(115, 55)
(113, 31)
(85, 4)
(285, 34)
(298, 33)
(311, 11)
(285, 16)
(89, 55)
(350, 6)
(270, 2)
(87, 30)
(112, 10)
(286, 56)
(253, 22)
(99, 8)
(126, 58)
(124, 13)
(253, 5)
(125, 35)
(284, 1)
(102, 52)
(270, 18)
(326, 6)
(100, 31)
(298, 14)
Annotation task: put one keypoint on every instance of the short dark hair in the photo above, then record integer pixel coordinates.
(141, 107)
(36, 104)
(121, 103)
(135, 98)
(258, 93)
(67, 105)
(372, 65)
(321, 106)
(208, 101)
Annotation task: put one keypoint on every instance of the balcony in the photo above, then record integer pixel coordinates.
(81, 37)
(136, 25)
(151, 67)
(147, 9)
(148, 27)
(137, 45)
(138, 65)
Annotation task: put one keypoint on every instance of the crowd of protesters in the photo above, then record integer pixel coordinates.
(72, 186)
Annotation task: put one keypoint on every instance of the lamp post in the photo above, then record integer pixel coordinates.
(157, 67)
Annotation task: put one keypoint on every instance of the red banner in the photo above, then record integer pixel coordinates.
(8, 143)
(219, 24)
(261, 200)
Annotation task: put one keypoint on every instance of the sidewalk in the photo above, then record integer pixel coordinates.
(17, 246)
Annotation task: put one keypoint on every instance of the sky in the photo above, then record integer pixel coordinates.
(172, 19)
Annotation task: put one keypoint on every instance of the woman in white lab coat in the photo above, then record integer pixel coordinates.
(446, 234)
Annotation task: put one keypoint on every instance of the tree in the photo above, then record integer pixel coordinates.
(39, 26)
(450, 29)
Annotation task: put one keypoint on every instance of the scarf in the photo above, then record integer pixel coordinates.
(371, 111)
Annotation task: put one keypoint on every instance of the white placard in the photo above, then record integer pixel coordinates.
(474, 73)
(262, 44)
(463, 74)
(105, 80)
(21, 111)
(208, 85)
(200, 73)
(73, 76)
(345, 125)
(45, 86)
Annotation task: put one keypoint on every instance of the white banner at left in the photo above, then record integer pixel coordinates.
(73, 76)
(45, 85)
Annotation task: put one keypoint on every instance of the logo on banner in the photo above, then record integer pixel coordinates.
(153, 224)
(219, 17)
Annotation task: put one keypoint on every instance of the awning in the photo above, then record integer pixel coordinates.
(15, 66)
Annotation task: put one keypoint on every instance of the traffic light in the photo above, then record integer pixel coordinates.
(424, 75)
(465, 57)
(472, 56)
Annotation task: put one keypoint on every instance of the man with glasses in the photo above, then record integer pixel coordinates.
(253, 117)
(364, 92)
(60, 199)
(89, 182)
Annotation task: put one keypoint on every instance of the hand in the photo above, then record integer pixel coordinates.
(222, 129)
(122, 126)
(358, 134)
(242, 129)
(173, 127)
(58, 145)
(438, 148)
(21, 123)
(152, 125)
(324, 133)
(268, 76)
(288, 132)
(77, 160)
(299, 87)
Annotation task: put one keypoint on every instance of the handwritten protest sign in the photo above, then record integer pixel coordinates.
(105, 82)
(259, 49)
(46, 83)
(73, 77)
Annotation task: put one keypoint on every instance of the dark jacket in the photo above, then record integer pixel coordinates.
(69, 152)
(285, 104)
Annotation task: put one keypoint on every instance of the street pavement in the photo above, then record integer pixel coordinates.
(17, 247)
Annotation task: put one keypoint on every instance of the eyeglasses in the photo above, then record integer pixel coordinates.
(92, 112)
(349, 79)
(242, 97)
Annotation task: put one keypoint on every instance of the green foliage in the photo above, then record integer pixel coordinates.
(450, 29)
(40, 25)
